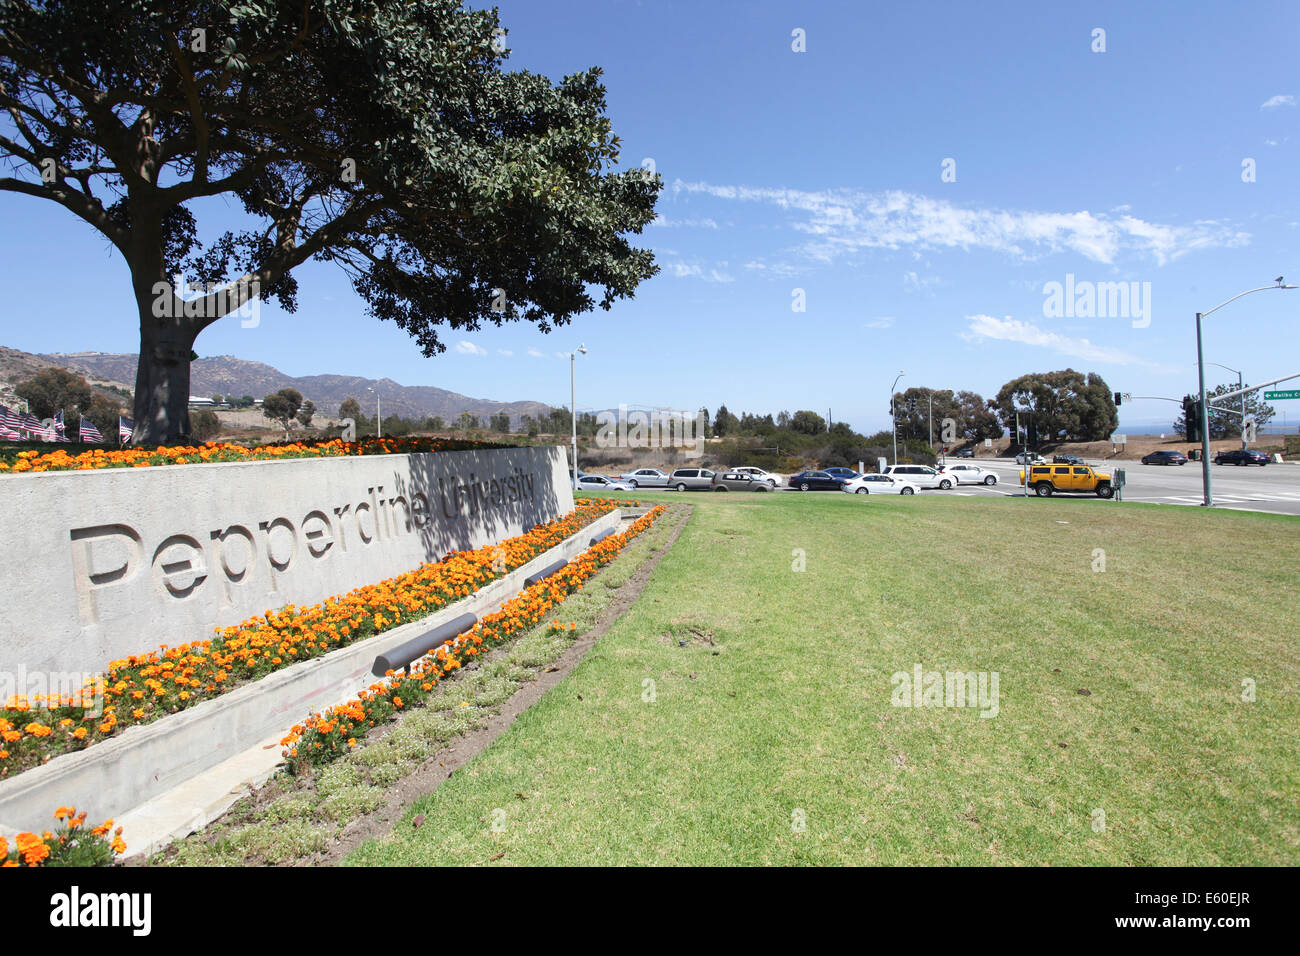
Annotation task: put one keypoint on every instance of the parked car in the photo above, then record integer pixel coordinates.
(971, 474)
(735, 481)
(848, 474)
(879, 485)
(646, 478)
(966, 453)
(1239, 456)
(1068, 460)
(760, 474)
(691, 479)
(1034, 459)
(601, 483)
(923, 476)
(1049, 479)
(1164, 457)
(816, 481)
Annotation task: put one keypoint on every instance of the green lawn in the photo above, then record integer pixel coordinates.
(1119, 691)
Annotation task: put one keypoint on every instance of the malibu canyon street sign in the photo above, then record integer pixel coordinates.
(101, 565)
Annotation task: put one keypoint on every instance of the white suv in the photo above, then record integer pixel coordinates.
(922, 476)
(758, 474)
(971, 474)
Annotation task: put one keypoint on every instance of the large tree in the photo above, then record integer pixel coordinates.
(384, 137)
(1061, 406)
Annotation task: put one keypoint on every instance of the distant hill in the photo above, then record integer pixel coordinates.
(16, 366)
(228, 375)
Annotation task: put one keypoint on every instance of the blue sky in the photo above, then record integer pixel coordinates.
(822, 171)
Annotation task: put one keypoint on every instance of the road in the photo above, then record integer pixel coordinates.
(1273, 488)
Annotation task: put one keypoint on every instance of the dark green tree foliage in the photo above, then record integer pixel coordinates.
(52, 390)
(282, 407)
(305, 414)
(383, 137)
(1063, 406)
(501, 422)
(808, 423)
(350, 408)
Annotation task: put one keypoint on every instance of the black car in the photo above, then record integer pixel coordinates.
(966, 453)
(816, 481)
(1240, 456)
(1067, 460)
(848, 474)
(1165, 457)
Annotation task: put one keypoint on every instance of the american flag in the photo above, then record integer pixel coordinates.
(59, 433)
(8, 434)
(32, 424)
(88, 432)
(125, 428)
(10, 420)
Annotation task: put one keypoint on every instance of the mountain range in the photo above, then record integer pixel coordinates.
(228, 375)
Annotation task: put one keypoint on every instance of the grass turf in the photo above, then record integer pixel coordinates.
(770, 738)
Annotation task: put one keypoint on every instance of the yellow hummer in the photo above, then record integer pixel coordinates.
(1046, 479)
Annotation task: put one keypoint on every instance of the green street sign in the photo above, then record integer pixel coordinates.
(1273, 396)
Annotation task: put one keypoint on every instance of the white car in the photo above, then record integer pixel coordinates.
(601, 483)
(879, 485)
(923, 476)
(1038, 459)
(646, 478)
(971, 474)
(758, 474)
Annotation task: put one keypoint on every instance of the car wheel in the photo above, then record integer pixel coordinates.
(632, 482)
(945, 484)
(991, 480)
(907, 491)
(861, 491)
(1043, 489)
(720, 488)
(679, 487)
(1105, 491)
(803, 486)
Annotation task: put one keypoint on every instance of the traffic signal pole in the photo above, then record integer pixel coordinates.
(1205, 420)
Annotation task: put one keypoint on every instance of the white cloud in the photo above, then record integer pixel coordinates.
(881, 322)
(665, 223)
(535, 353)
(840, 222)
(1278, 101)
(685, 270)
(506, 352)
(469, 348)
(1010, 330)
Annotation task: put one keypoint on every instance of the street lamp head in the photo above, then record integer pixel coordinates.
(582, 349)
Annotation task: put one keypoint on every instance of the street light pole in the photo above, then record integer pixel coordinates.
(1205, 411)
(573, 408)
(893, 418)
(1240, 384)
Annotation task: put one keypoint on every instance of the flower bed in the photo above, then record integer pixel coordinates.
(70, 845)
(143, 688)
(324, 736)
(61, 459)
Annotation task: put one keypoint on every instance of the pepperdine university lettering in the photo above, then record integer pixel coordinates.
(127, 560)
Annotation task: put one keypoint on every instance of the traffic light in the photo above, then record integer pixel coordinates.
(1118, 397)
(1192, 416)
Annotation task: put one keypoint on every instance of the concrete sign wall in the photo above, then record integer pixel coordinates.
(96, 566)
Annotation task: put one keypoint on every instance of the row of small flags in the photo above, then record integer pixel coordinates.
(14, 423)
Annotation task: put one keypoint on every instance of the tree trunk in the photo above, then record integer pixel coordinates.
(162, 378)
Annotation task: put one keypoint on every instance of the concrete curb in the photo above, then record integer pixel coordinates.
(150, 775)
